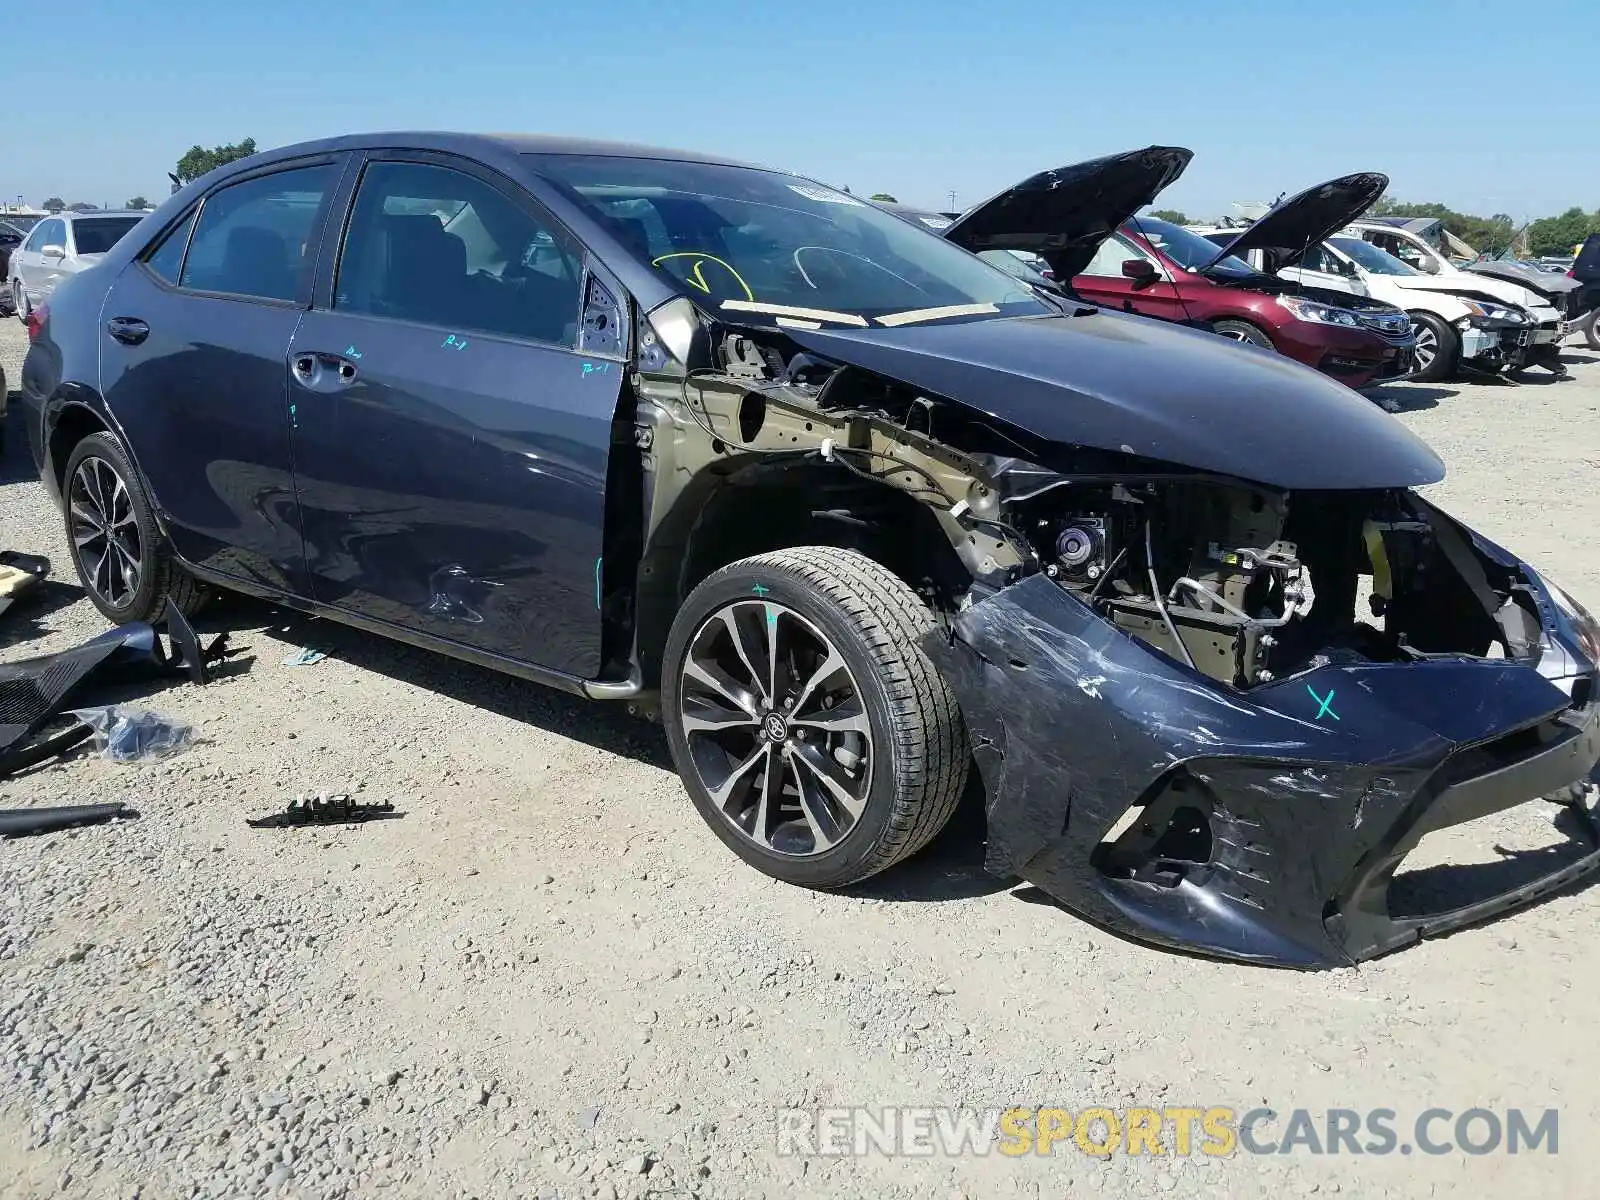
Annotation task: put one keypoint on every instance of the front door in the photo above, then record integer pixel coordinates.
(450, 440)
(1102, 282)
(193, 347)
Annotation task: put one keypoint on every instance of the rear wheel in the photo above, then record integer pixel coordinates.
(122, 557)
(1438, 347)
(1243, 331)
(1591, 330)
(810, 730)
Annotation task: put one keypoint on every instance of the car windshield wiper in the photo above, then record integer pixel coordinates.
(790, 310)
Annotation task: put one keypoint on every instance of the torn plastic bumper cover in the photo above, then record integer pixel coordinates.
(1264, 825)
(36, 690)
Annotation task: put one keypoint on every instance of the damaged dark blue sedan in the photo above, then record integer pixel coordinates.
(849, 508)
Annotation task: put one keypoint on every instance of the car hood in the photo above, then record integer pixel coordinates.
(1549, 283)
(1066, 213)
(1454, 279)
(1152, 389)
(1302, 221)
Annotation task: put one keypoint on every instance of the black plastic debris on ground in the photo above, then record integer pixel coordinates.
(35, 691)
(325, 810)
(24, 822)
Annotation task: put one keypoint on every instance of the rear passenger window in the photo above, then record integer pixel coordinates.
(166, 260)
(254, 238)
(439, 247)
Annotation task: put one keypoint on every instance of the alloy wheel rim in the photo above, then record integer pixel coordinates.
(1237, 335)
(1427, 346)
(105, 532)
(777, 728)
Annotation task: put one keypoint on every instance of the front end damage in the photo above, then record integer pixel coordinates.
(1258, 814)
(1221, 667)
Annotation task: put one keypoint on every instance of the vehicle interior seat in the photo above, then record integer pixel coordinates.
(260, 257)
(423, 271)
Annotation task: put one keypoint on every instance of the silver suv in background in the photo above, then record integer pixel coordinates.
(59, 247)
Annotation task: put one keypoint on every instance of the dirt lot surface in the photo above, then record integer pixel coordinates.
(549, 979)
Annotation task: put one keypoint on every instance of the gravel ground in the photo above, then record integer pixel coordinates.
(549, 979)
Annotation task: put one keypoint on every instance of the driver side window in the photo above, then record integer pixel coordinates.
(436, 246)
(1110, 256)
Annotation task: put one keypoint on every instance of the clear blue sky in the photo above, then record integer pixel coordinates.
(1479, 104)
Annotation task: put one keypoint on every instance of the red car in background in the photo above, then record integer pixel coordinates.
(1078, 219)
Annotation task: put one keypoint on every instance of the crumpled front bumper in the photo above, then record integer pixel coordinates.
(1311, 790)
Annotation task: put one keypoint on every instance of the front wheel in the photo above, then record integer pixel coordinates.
(1243, 331)
(1591, 330)
(810, 730)
(1438, 348)
(19, 299)
(122, 557)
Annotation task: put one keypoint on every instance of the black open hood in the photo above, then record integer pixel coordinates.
(1149, 389)
(1062, 215)
(1300, 222)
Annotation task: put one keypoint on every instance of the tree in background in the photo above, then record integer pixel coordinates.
(82, 206)
(199, 160)
(884, 197)
(138, 202)
(54, 205)
(1558, 235)
(1171, 215)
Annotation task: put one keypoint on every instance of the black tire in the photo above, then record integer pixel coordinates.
(1446, 345)
(1243, 331)
(873, 621)
(20, 299)
(1591, 330)
(159, 574)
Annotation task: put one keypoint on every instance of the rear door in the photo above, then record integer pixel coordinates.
(1103, 282)
(194, 340)
(450, 439)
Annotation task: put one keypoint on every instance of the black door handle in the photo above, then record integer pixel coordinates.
(130, 331)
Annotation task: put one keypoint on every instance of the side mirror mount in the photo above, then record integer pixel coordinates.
(1141, 270)
(53, 251)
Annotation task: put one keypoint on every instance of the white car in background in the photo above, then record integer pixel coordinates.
(1539, 346)
(60, 247)
(1455, 329)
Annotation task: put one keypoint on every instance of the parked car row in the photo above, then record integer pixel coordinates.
(853, 511)
(1153, 268)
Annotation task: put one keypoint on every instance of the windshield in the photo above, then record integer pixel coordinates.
(1371, 258)
(746, 242)
(96, 235)
(1189, 250)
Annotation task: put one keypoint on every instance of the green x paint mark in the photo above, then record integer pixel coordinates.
(759, 590)
(1325, 703)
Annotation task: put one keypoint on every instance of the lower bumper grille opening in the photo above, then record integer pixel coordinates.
(1488, 857)
(1162, 841)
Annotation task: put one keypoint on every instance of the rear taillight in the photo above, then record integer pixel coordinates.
(36, 320)
(1572, 272)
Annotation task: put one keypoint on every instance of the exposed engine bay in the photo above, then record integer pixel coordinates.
(1243, 583)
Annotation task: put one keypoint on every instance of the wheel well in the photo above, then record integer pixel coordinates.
(73, 425)
(773, 505)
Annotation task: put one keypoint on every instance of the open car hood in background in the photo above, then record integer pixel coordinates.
(1064, 214)
(1302, 221)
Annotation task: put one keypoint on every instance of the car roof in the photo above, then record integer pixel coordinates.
(515, 143)
(103, 212)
